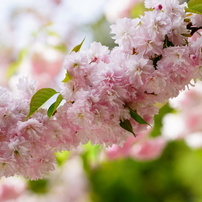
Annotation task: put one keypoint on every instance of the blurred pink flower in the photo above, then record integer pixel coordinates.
(187, 123)
(116, 151)
(142, 148)
(57, 2)
(46, 64)
(119, 8)
(148, 149)
(11, 188)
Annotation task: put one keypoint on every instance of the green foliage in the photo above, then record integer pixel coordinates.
(38, 186)
(39, 98)
(100, 30)
(61, 157)
(54, 106)
(174, 177)
(188, 168)
(90, 155)
(67, 77)
(195, 6)
(156, 129)
(137, 117)
(78, 47)
(126, 124)
(137, 10)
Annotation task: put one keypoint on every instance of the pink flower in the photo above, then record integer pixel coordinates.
(41, 163)
(178, 32)
(11, 188)
(155, 83)
(116, 151)
(98, 53)
(124, 31)
(17, 147)
(45, 66)
(173, 7)
(157, 24)
(141, 148)
(146, 45)
(138, 68)
(148, 149)
(26, 87)
(31, 129)
(75, 61)
(195, 49)
(196, 20)
(80, 113)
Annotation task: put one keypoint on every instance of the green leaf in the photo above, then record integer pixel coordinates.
(67, 77)
(126, 124)
(39, 98)
(195, 6)
(137, 117)
(78, 47)
(53, 107)
(192, 11)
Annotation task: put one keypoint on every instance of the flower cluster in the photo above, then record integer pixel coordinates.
(153, 62)
(103, 91)
(20, 138)
(27, 145)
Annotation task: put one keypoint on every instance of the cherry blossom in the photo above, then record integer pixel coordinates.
(108, 95)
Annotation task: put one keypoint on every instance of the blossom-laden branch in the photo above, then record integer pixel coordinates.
(107, 94)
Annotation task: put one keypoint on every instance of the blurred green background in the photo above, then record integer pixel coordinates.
(174, 177)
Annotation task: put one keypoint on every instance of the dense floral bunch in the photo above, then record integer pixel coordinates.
(108, 94)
